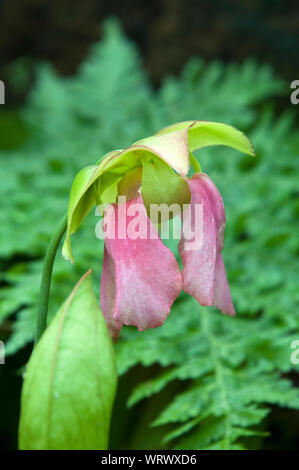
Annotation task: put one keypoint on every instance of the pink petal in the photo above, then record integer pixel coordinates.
(222, 296)
(204, 275)
(141, 278)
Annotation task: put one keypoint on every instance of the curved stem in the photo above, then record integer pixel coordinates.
(46, 279)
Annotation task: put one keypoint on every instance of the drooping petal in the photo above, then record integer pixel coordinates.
(222, 295)
(141, 278)
(204, 275)
(198, 245)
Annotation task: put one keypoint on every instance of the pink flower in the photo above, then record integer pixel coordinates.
(141, 277)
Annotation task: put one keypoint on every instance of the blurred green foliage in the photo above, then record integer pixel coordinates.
(223, 373)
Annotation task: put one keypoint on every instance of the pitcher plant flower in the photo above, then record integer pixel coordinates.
(141, 277)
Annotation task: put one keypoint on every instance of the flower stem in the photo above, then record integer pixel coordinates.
(46, 279)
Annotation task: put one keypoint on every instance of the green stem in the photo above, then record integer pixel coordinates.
(46, 279)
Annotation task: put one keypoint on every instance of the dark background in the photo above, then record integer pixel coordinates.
(167, 32)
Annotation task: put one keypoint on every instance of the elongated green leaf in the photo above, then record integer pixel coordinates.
(71, 379)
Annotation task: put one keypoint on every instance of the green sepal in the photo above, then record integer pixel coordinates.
(85, 193)
(172, 149)
(195, 163)
(82, 199)
(71, 378)
(161, 185)
(206, 133)
(108, 187)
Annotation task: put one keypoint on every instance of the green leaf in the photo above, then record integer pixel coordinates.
(70, 381)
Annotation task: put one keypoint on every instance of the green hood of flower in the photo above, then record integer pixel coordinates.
(161, 161)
